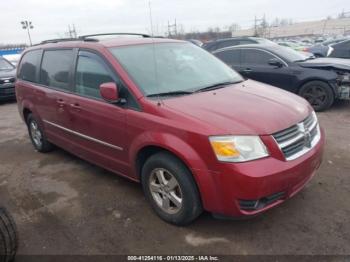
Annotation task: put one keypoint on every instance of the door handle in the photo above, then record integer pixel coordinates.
(60, 101)
(247, 70)
(75, 106)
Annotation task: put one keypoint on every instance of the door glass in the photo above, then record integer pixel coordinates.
(89, 76)
(28, 67)
(56, 67)
(230, 57)
(255, 57)
(227, 43)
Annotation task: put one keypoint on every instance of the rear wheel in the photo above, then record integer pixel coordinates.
(37, 135)
(171, 190)
(8, 237)
(319, 94)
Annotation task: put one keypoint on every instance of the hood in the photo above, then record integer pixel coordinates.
(8, 73)
(338, 63)
(248, 108)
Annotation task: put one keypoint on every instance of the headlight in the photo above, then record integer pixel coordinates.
(238, 148)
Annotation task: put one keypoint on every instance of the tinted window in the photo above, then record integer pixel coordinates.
(29, 64)
(56, 67)
(90, 75)
(256, 57)
(246, 42)
(227, 43)
(230, 57)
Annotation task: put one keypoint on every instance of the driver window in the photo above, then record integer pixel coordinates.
(89, 76)
(255, 57)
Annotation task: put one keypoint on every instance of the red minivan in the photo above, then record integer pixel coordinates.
(173, 117)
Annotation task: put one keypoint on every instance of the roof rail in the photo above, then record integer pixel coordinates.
(58, 40)
(89, 37)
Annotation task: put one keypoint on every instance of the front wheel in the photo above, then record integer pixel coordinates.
(171, 190)
(319, 94)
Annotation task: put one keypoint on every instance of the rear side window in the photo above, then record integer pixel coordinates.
(228, 43)
(246, 42)
(230, 57)
(56, 67)
(256, 57)
(89, 76)
(29, 66)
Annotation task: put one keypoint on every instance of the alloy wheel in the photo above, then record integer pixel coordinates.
(315, 95)
(35, 134)
(165, 190)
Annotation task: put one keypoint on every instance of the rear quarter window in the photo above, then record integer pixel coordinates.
(29, 66)
(56, 68)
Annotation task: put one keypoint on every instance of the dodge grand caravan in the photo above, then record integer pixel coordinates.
(171, 116)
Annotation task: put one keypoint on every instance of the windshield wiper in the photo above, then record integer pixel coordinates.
(216, 86)
(172, 93)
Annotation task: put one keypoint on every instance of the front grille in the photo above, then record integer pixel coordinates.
(7, 80)
(251, 205)
(297, 140)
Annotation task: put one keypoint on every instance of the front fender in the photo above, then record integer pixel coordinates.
(189, 156)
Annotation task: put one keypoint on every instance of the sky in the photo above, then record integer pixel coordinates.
(51, 18)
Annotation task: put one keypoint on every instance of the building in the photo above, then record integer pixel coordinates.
(327, 27)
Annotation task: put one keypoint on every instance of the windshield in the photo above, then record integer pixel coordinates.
(173, 67)
(289, 54)
(5, 65)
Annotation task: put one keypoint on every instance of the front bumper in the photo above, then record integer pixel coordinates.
(7, 91)
(271, 181)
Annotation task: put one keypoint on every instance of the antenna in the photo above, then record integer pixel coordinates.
(154, 51)
(150, 17)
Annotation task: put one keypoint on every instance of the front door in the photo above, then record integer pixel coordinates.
(255, 65)
(99, 126)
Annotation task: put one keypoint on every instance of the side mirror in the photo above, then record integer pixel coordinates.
(109, 92)
(275, 62)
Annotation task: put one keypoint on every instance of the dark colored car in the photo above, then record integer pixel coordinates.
(222, 43)
(7, 80)
(320, 81)
(195, 42)
(338, 48)
(190, 129)
(341, 49)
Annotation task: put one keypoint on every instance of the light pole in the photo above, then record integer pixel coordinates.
(26, 25)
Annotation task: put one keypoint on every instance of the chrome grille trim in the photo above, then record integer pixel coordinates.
(299, 139)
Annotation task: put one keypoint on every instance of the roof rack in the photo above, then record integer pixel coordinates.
(58, 40)
(90, 37)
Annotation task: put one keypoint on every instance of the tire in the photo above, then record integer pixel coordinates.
(8, 237)
(319, 94)
(190, 206)
(37, 136)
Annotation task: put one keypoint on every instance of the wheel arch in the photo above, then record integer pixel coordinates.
(186, 154)
(308, 80)
(25, 113)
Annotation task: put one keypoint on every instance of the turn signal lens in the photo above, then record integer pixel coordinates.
(225, 149)
(238, 148)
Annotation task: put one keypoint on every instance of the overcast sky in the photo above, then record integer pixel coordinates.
(51, 18)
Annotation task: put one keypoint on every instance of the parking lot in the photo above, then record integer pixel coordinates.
(64, 205)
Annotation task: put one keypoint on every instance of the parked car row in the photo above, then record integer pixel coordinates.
(338, 48)
(321, 81)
